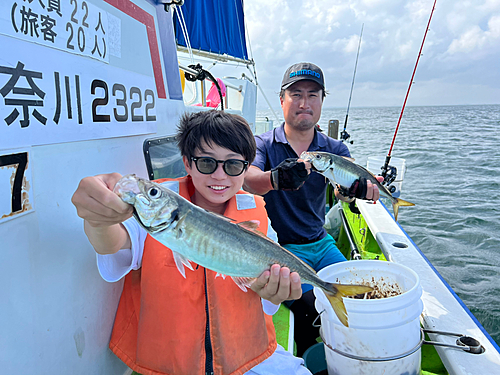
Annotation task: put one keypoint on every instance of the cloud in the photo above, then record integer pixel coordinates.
(475, 38)
(462, 47)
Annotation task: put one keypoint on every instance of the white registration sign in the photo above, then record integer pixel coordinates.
(49, 96)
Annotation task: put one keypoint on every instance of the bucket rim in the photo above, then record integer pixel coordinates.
(378, 301)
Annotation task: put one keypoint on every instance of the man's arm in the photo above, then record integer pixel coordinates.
(257, 181)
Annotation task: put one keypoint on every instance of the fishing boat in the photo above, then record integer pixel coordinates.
(88, 87)
(99, 87)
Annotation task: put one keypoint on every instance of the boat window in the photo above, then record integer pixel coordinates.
(163, 159)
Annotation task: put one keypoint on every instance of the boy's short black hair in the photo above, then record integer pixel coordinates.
(215, 127)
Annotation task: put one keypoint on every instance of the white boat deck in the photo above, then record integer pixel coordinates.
(443, 309)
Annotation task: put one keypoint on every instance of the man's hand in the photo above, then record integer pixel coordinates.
(361, 189)
(278, 285)
(290, 174)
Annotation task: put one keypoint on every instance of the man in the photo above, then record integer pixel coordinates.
(295, 198)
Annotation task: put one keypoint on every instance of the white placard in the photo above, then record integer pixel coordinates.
(49, 96)
(74, 26)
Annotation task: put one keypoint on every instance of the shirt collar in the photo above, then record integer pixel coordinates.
(319, 140)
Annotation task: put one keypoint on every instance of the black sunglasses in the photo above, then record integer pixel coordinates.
(208, 165)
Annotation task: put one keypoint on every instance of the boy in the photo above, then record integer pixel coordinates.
(166, 324)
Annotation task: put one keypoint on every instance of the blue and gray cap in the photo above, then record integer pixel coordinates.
(302, 71)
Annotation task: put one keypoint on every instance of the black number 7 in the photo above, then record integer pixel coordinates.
(22, 160)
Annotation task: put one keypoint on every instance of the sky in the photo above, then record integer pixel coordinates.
(460, 62)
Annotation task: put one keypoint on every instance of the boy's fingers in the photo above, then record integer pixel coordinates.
(283, 292)
(295, 286)
(261, 281)
(274, 280)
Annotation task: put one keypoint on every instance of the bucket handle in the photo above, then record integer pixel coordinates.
(316, 319)
(378, 359)
(463, 343)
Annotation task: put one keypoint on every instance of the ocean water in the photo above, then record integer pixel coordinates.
(452, 156)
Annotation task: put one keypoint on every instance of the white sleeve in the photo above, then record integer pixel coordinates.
(113, 267)
(271, 233)
(269, 307)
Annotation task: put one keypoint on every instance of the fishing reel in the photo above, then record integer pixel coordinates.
(389, 173)
(344, 136)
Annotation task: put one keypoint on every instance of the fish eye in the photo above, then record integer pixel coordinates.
(153, 192)
(318, 156)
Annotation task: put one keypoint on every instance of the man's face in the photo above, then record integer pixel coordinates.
(301, 105)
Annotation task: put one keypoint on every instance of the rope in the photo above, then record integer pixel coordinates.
(182, 23)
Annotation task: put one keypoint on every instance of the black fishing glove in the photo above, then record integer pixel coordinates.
(290, 174)
(357, 190)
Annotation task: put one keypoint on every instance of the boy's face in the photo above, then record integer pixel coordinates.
(214, 190)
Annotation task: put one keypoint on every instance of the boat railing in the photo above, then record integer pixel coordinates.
(263, 124)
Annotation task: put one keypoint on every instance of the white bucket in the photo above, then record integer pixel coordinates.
(375, 163)
(382, 332)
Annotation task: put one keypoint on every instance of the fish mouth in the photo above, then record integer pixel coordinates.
(310, 159)
(316, 169)
(156, 228)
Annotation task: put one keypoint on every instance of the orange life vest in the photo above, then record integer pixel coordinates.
(160, 325)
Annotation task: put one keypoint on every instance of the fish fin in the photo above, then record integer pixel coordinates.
(250, 225)
(399, 202)
(250, 228)
(180, 262)
(225, 218)
(352, 160)
(338, 292)
(338, 307)
(178, 226)
(255, 232)
(221, 275)
(243, 282)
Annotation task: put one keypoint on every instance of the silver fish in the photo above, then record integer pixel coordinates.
(340, 170)
(215, 242)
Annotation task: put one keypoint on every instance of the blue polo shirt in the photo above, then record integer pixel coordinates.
(296, 216)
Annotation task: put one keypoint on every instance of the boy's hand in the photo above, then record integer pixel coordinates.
(97, 204)
(278, 285)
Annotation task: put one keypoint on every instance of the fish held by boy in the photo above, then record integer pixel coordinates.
(215, 242)
(342, 171)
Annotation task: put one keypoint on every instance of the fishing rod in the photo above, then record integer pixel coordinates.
(389, 172)
(344, 135)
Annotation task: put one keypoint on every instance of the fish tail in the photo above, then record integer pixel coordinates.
(399, 202)
(337, 292)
